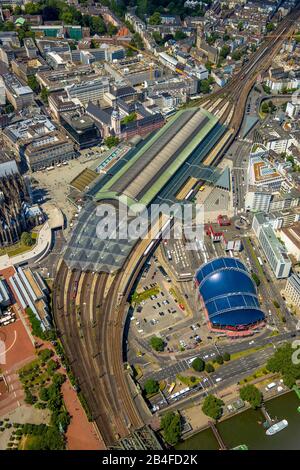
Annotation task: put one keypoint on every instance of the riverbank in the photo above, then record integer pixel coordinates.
(246, 427)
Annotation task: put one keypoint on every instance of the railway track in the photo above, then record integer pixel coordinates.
(89, 307)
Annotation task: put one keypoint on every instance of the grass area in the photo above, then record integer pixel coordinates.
(138, 297)
(188, 380)
(177, 296)
(247, 352)
(162, 385)
(274, 333)
(253, 254)
(137, 371)
(261, 114)
(256, 375)
(27, 442)
(18, 248)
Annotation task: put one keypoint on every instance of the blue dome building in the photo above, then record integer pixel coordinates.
(229, 295)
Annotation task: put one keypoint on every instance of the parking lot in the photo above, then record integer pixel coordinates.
(160, 310)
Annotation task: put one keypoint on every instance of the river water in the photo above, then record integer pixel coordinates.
(245, 428)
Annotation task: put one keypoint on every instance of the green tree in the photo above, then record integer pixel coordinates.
(155, 19)
(112, 29)
(27, 239)
(209, 368)
(111, 141)
(179, 35)
(252, 395)
(45, 354)
(198, 364)
(44, 94)
(142, 8)
(137, 41)
(129, 52)
(226, 357)
(17, 10)
(240, 26)
(94, 44)
(158, 38)
(30, 399)
(208, 65)
(213, 407)
(237, 55)
(224, 51)
(67, 17)
(157, 343)
(130, 118)
(219, 359)
(52, 366)
(32, 8)
(43, 394)
(35, 324)
(256, 279)
(33, 83)
(60, 419)
(270, 27)
(151, 386)
(170, 424)
(204, 86)
(282, 362)
(97, 25)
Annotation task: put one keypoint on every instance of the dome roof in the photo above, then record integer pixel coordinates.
(229, 293)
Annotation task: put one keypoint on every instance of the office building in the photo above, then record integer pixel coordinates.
(258, 201)
(18, 94)
(292, 290)
(90, 90)
(290, 236)
(273, 249)
(49, 150)
(81, 128)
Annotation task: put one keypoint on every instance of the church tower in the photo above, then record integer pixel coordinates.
(116, 120)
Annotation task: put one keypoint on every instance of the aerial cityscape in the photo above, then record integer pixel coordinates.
(149, 226)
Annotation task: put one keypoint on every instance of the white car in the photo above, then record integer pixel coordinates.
(219, 379)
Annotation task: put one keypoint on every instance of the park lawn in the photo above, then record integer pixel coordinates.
(186, 380)
(18, 248)
(27, 442)
(138, 297)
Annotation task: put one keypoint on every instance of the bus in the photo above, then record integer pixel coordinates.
(172, 386)
(260, 261)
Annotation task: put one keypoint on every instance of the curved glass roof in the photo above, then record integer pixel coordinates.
(229, 293)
